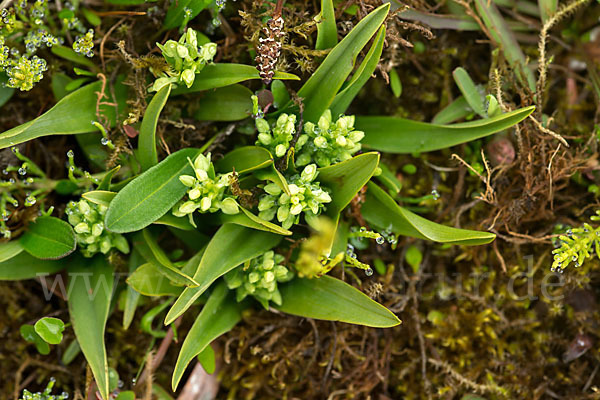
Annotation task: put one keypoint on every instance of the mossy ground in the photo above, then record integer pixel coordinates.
(475, 319)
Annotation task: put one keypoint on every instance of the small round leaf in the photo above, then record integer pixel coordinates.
(50, 329)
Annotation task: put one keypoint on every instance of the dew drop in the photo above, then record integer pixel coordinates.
(70, 154)
(22, 171)
(12, 180)
(552, 269)
(435, 194)
(104, 141)
(362, 229)
(368, 271)
(29, 201)
(380, 240)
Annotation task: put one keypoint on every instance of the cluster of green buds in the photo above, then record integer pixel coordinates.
(328, 142)
(87, 219)
(46, 394)
(24, 72)
(259, 277)
(207, 191)
(577, 245)
(185, 59)
(305, 195)
(276, 140)
(84, 44)
(25, 24)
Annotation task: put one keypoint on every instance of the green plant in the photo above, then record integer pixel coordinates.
(46, 394)
(26, 29)
(305, 167)
(577, 245)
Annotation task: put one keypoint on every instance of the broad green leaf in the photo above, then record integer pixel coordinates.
(148, 280)
(248, 219)
(503, 36)
(218, 316)
(50, 329)
(100, 197)
(149, 196)
(326, 27)
(207, 359)
(49, 238)
(345, 179)
(470, 92)
(219, 75)
(320, 90)
(381, 211)
(147, 138)
(231, 246)
(163, 263)
(342, 100)
(9, 250)
(403, 136)
(176, 12)
(229, 103)
(131, 296)
(61, 119)
(25, 266)
(244, 159)
(331, 299)
(458, 109)
(91, 284)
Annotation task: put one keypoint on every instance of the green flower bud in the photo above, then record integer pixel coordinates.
(82, 227)
(282, 213)
(202, 162)
(205, 203)
(272, 189)
(187, 207)
(194, 194)
(320, 141)
(191, 37)
(325, 121)
(187, 180)
(296, 209)
(229, 206)
(182, 51)
(188, 76)
(105, 246)
(97, 229)
(263, 127)
(309, 173)
(280, 150)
